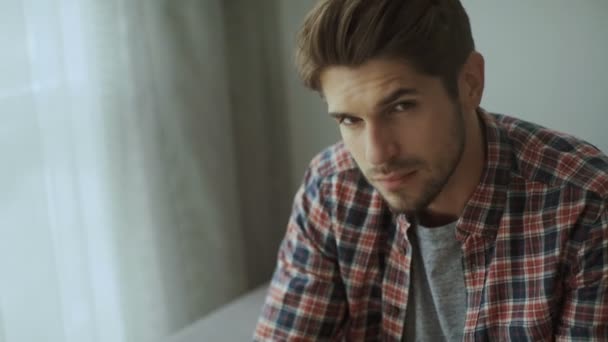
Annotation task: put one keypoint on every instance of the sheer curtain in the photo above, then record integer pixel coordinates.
(129, 190)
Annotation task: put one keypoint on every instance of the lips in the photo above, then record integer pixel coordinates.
(393, 182)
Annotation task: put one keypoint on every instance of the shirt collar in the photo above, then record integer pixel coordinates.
(484, 210)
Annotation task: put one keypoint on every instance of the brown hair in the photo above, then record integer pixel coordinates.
(434, 36)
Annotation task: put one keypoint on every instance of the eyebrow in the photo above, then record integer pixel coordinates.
(392, 97)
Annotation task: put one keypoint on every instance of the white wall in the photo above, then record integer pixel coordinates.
(257, 106)
(308, 125)
(545, 62)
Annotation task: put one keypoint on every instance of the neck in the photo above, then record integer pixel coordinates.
(449, 204)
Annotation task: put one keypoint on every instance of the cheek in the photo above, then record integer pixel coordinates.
(442, 140)
(355, 146)
(432, 134)
(423, 138)
(414, 135)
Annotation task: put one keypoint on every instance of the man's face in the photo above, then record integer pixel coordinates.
(402, 128)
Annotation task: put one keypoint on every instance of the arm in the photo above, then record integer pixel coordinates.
(306, 300)
(585, 306)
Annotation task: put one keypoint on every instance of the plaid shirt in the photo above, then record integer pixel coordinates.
(534, 238)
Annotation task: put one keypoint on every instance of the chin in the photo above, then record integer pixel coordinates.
(406, 204)
(400, 205)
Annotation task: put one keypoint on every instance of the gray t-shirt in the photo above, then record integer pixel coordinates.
(436, 304)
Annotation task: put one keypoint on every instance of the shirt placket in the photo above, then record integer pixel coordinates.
(396, 281)
(476, 250)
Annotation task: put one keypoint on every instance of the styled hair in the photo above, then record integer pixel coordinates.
(433, 36)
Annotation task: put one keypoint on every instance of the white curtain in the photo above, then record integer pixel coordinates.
(123, 169)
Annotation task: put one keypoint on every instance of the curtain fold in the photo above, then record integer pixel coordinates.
(123, 175)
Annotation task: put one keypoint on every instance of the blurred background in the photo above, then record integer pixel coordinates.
(150, 149)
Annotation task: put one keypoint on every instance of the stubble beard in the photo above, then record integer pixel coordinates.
(403, 202)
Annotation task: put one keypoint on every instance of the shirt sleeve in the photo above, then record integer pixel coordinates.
(306, 300)
(585, 306)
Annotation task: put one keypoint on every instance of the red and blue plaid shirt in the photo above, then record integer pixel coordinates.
(534, 238)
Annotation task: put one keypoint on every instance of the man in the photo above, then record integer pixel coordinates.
(433, 219)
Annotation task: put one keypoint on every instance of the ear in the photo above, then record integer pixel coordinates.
(471, 82)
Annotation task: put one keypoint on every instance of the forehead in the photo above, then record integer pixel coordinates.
(366, 84)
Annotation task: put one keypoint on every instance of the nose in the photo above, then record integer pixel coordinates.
(380, 145)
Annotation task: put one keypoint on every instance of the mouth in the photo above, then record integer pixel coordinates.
(393, 182)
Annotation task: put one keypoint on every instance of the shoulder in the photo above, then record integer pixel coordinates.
(334, 181)
(333, 166)
(563, 167)
(553, 158)
(332, 161)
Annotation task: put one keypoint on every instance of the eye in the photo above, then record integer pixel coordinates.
(347, 120)
(403, 106)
